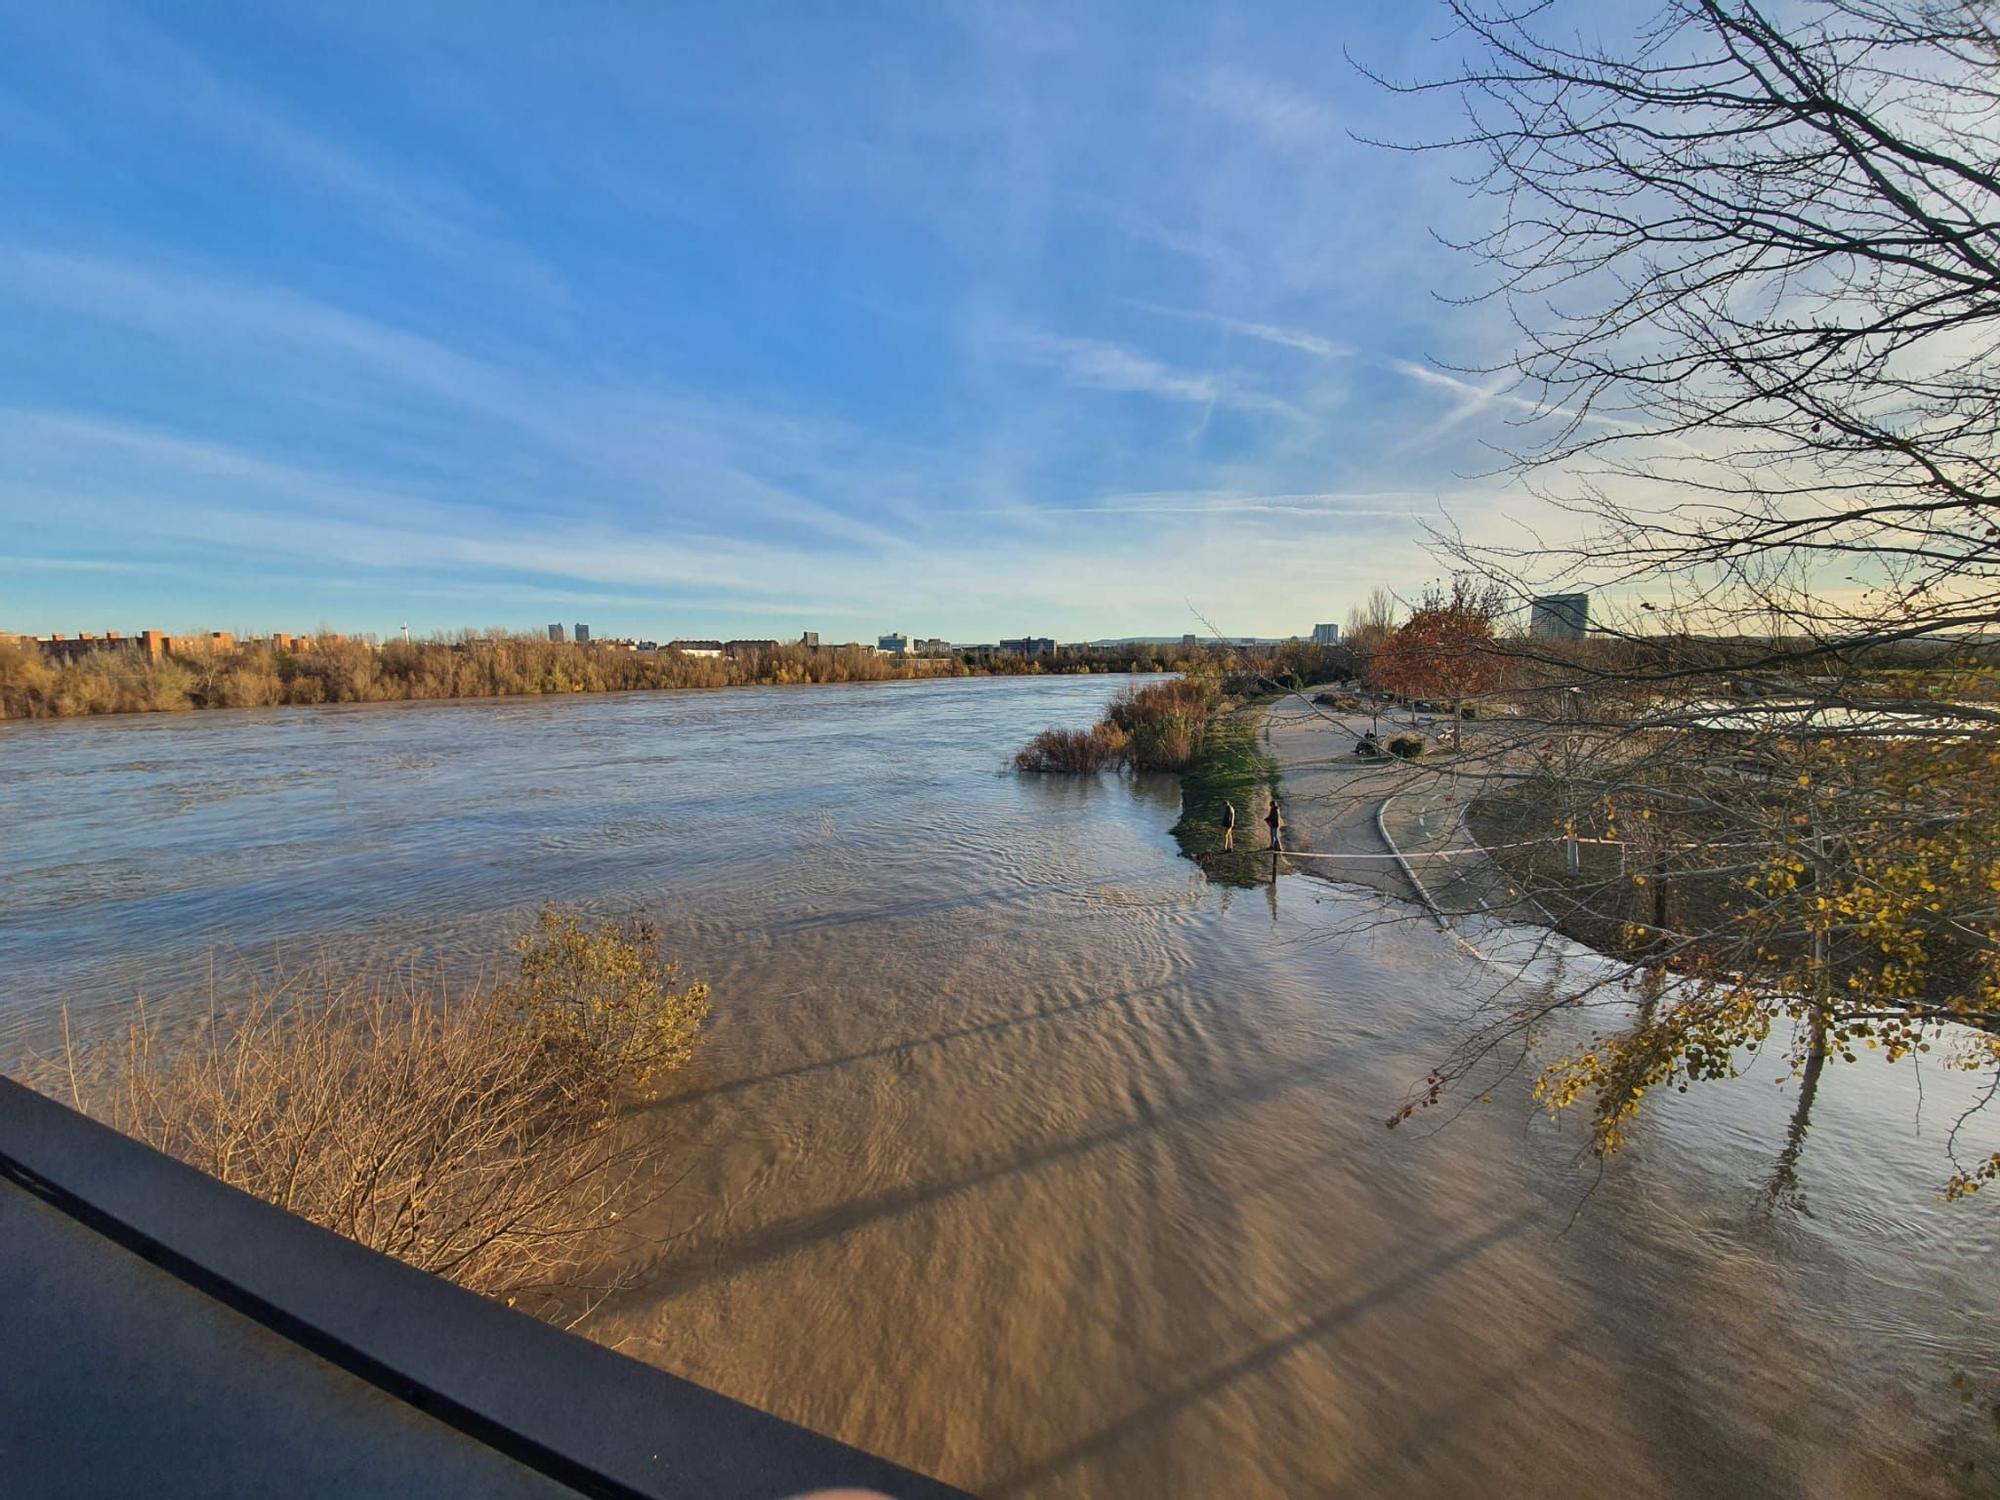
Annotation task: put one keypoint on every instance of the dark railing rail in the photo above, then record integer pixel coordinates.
(586, 1417)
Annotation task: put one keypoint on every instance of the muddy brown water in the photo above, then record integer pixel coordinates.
(1018, 1153)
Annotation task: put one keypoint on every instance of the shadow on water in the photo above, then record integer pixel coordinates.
(1784, 1189)
(798, 1232)
(909, 1046)
(1411, 1275)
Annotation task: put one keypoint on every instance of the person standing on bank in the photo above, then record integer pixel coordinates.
(1276, 821)
(1228, 825)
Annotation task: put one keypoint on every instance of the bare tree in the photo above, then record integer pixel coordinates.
(1754, 272)
(1754, 268)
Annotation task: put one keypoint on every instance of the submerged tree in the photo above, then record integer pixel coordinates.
(1754, 264)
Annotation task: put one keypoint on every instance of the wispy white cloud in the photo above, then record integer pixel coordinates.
(657, 442)
(1282, 116)
(1098, 364)
(1471, 400)
(1468, 400)
(159, 490)
(1400, 504)
(1136, 222)
(1270, 333)
(81, 565)
(149, 483)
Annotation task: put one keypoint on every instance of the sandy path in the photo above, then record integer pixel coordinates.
(1338, 809)
(1331, 799)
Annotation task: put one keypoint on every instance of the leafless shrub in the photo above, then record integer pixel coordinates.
(1157, 727)
(1074, 750)
(473, 1136)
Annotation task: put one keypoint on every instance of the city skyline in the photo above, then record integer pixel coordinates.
(991, 320)
(583, 633)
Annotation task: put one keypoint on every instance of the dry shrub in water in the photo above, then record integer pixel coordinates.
(604, 1003)
(1183, 698)
(1166, 744)
(1164, 721)
(472, 1136)
(1074, 750)
(1158, 727)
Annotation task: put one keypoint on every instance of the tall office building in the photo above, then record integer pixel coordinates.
(556, 634)
(582, 634)
(1559, 617)
(1326, 635)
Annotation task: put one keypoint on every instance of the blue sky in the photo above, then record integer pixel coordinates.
(726, 320)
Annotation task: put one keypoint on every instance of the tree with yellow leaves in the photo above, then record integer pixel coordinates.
(1753, 259)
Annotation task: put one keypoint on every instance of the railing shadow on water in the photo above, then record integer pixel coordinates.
(700, 1265)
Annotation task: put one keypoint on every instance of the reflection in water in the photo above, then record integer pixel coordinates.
(1785, 1187)
(1017, 1151)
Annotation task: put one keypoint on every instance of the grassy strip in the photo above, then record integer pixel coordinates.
(1229, 765)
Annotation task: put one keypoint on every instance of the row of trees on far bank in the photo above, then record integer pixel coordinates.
(255, 674)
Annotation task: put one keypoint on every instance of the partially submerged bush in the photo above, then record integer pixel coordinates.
(1167, 743)
(469, 1136)
(606, 1004)
(1158, 727)
(1408, 746)
(1074, 750)
(1155, 702)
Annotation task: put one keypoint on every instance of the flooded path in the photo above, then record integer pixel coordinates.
(1020, 1154)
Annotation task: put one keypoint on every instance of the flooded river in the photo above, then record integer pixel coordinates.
(1017, 1152)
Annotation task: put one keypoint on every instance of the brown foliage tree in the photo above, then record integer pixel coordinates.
(1447, 648)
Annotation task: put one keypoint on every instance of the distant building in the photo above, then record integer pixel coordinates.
(1559, 617)
(810, 640)
(61, 648)
(747, 648)
(582, 634)
(1326, 635)
(1190, 642)
(895, 644)
(152, 644)
(1030, 645)
(556, 634)
(696, 648)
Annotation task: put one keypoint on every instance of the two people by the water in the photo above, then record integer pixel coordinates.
(1274, 820)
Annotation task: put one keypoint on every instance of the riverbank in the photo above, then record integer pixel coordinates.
(1232, 766)
(307, 672)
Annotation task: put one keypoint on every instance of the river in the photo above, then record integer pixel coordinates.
(1019, 1153)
